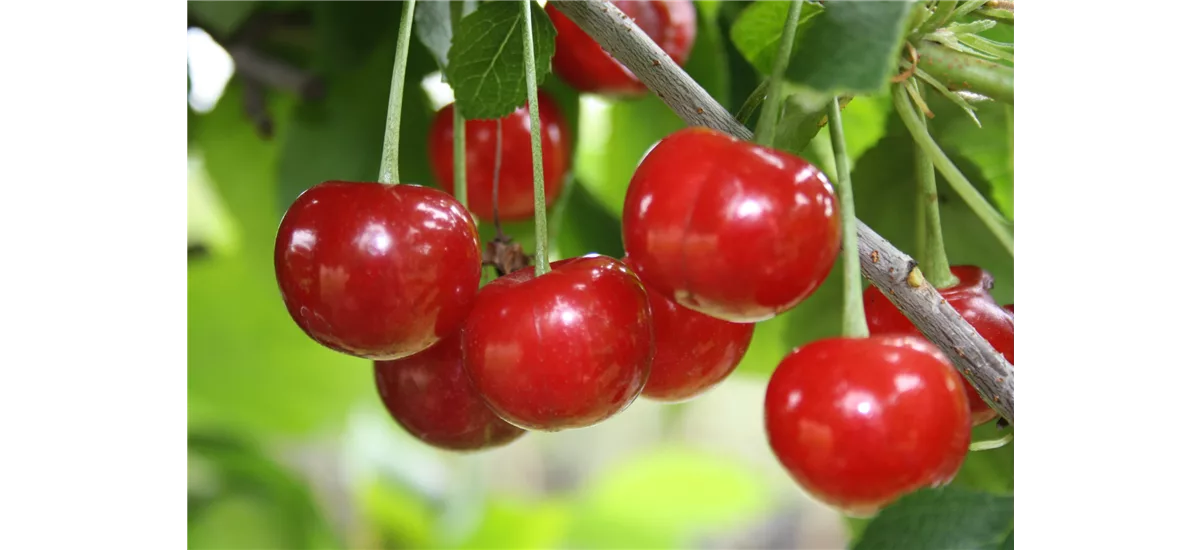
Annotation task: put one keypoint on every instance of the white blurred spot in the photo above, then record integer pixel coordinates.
(440, 94)
(210, 68)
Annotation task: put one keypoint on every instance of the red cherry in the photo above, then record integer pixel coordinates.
(971, 299)
(564, 350)
(377, 271)
(692, 351)
(728, 228)
(430, 396)
(583, 64)
(1009, 307)
(516, 154)
(859, 422)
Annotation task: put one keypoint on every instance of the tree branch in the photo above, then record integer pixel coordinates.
(888, 268)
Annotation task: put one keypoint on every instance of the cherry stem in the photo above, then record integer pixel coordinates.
(496, 180)
(389, 165)
(989, 444)
(541, 238)
(769, 118)
(854, 318)
(991, 218)
(932, 254)
(941, 14)
(460, 128)
(460, 158)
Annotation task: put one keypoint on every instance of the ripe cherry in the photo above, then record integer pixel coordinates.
(377, 271)
(971, 299)
(430, 396)
(728, 228)
(692, 351)
(859, 422)
(583, 64)
(1009, 307)
(516, 158)
(564, 350)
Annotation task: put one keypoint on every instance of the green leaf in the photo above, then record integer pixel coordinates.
(249, 366)
(613, 138)
(757, 31)
(433, 22)
(487, 61)
(346, 34)
(250, 500)
(222, 18)
(991, 470)
(941, 518)
(398, 514)
(852, 47)
(340, 137)
(662, 498)
(518, 524)
(885, 199)
(988, 145)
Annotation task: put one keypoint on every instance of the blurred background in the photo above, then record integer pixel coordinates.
(289, 446)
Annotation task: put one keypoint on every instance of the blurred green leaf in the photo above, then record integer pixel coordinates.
(347, 34)
(520, 524)
(249, 365)
(1009, 542)
(989, 145)
(433, 22)
(991, 470)
(402, 518)
(252, 501)
(757, 31)
(222, 18)
(852, 47)
(941, 518)
(885, 199)
(616, 135)
(340, 137)
(708, 62)
(209, 223)
(237, 523)
(665, 497)
(487, 61)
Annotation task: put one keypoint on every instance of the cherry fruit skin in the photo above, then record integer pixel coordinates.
(565, 350)
(1009, 307)
(430, 396)
(859, 422)
(377, 271)
(516, 158)
(728, 228)
(692, 351)
(971, 298)
(584, 65)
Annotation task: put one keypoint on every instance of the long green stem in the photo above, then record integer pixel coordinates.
(460, 128)
(941, 14)
(765, 132)
(541, 237)
(389, 165)
(460, 158)
(961, 71)
(934, 264)
(991, 218)
(854, 319)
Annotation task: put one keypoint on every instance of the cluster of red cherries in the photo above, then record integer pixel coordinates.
(719, 233)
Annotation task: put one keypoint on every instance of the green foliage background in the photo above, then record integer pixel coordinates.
(262, 397)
